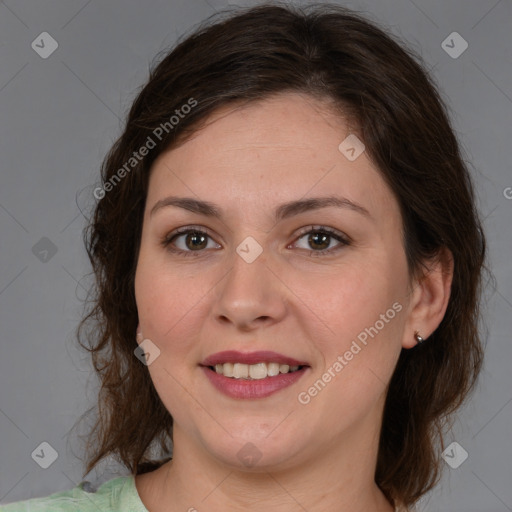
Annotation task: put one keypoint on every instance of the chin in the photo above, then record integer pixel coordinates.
(257, 451)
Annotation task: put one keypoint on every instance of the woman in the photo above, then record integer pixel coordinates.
(288, 261)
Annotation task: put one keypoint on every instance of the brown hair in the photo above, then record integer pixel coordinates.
(383, 88)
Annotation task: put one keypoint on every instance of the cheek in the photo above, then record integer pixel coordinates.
(168, 306)
(357, 298)
(166, 299)
(365, 317)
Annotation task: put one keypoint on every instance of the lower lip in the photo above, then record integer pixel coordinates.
(257, 388)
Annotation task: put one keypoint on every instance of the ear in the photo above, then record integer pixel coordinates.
(138, 335)
(429, 298)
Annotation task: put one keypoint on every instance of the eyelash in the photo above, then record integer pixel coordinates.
(344, 241)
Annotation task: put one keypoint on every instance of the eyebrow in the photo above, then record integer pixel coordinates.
(284, 211)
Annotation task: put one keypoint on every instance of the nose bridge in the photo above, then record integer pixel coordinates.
(250, 290)
(247, 280)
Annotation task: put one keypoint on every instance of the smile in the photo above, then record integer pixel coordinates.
(253, 371)
(250, 375)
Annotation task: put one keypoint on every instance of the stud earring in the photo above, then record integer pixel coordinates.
(419, 339)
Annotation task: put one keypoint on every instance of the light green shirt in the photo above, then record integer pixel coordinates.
(116, 495)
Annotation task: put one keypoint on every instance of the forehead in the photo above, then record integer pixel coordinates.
(285, 119)
(274, 150)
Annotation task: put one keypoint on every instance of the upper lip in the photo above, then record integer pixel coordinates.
(261, 356)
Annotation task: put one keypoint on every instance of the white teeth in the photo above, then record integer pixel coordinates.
(227, 369)
(253, 371)
(272, 369)
(240, 371)
(258, 371)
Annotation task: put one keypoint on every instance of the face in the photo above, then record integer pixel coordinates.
(324, 288)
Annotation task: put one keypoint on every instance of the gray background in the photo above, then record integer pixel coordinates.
(58, 118)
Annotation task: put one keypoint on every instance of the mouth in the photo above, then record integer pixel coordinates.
(252, 375)
(256, 371)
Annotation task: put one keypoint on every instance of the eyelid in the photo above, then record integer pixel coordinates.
(325, 229)
(341, 237)
(168, 238)
(192, 227)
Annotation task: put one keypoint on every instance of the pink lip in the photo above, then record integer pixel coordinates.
(257, 388)
(262, 356)
(249, 389)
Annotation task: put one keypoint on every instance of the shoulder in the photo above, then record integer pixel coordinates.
(116, 494)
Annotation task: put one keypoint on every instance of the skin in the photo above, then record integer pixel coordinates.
(317, 456)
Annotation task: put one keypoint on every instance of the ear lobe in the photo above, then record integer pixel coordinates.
(430, 298)
(138, 334)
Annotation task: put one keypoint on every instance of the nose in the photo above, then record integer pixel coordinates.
(250, 295)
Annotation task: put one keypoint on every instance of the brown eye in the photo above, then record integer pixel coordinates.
(319, 239)
(187, 241)
(195, 240)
